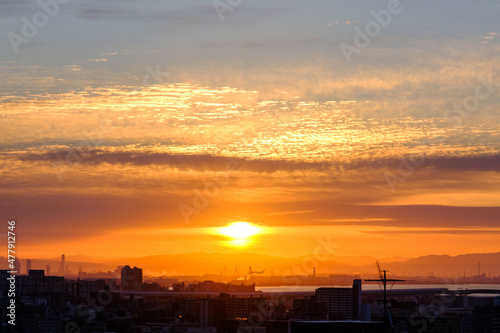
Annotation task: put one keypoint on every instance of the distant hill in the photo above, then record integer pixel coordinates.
(489, 263)
(240, 263)
(214, 263)
(201, 263)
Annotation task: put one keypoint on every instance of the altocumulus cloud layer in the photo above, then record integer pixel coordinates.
(119, 111)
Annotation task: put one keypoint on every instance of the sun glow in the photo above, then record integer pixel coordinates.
(240, 233)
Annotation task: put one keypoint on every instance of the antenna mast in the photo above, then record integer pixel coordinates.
(383, 279)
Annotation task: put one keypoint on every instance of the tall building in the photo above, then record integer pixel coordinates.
(17, 266)
(356, 299)
(36, 282)
(338, 326)
(47, 270)
(311, 309)
(28, 266)
(190, 309)
(486, 319)
(341, 303)
(62, 265)
(242, 307)
(131, 278)
(211, 311)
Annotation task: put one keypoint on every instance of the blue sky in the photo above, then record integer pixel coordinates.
(180, 35)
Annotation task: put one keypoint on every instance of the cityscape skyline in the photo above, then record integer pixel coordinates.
(127, 302)
(231, 166)
(469, 268)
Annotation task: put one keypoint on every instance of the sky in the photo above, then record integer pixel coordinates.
(139, 128)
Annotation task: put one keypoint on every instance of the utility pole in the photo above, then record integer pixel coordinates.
(383, 279)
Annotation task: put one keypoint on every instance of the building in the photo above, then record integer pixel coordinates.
(486, 319)
(93, 327)
(242, 307)
(356, 299)
(4, 283)
(62, 265)
(211, 311)
(337, 326)
(201, 330)
(277, 326)
(17, 266)
(84, 288)
(28, 266)
(190, 310)
(131, 278)
(36, 283)
(309, 308)
(341, 303)
(242, 326)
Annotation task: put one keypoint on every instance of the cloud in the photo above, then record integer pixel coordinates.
(290, 213)
(481, 163)
(183, 162)
(16, 7)
(411, 216)
(464, 163)
(432, 231)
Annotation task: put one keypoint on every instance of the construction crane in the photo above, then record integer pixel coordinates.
(383, 279)
(250, 272)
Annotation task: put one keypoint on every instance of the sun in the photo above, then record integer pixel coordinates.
(240, 233)
(240, 230)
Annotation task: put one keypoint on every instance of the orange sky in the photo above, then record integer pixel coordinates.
(139, 138)
(154, 179)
